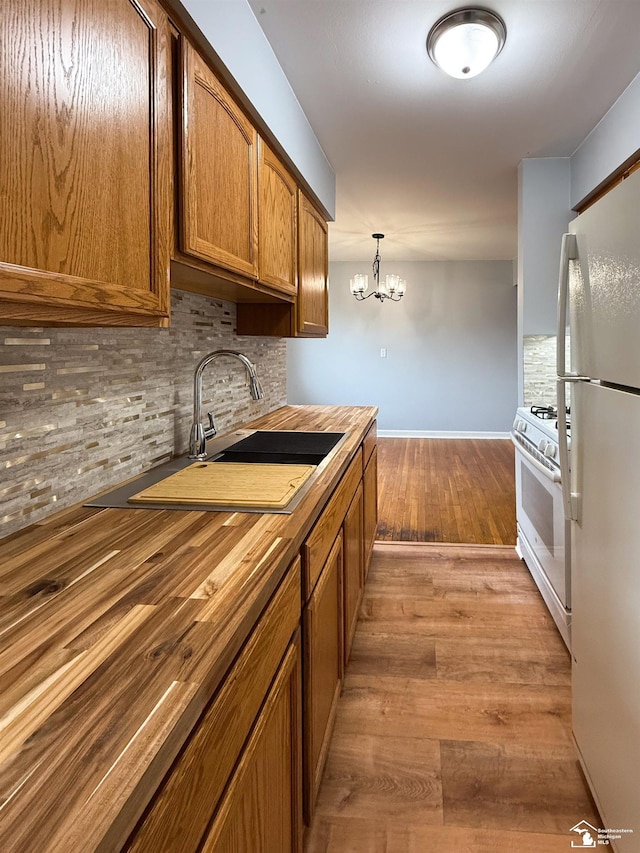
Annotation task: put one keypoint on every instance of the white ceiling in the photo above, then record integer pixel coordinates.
(429, 160)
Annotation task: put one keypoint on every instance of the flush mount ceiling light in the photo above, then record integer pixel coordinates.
(393, 287)
(465, 42)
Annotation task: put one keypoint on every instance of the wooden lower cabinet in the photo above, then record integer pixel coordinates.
(369, 442)
(370, 486)
(322, 671)
(261, 811)
(320, 541)
(203, 779)
(353, 572)
(247, 779)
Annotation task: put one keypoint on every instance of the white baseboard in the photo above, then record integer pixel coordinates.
(411, 433)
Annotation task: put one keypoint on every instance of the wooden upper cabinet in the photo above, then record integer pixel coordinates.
(218, 171)
(312, 309)
(277, 223)
(306, 315)
(85, 177)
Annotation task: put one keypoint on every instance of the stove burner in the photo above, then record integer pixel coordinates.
(544, 412)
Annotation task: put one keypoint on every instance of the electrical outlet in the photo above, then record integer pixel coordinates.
(383, 352)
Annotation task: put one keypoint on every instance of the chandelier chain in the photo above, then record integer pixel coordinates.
(376, 263)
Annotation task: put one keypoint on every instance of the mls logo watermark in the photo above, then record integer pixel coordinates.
(591, 837)
(588, 835)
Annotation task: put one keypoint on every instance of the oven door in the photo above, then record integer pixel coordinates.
(540, 515)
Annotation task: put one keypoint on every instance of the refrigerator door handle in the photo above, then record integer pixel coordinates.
(568, 252)
(570, 498)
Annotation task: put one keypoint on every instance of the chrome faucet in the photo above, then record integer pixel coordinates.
(199, 432)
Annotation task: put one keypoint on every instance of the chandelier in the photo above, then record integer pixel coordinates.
(393, 287)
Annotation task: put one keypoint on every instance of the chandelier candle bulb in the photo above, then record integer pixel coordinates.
(359, 283)
(392, 282)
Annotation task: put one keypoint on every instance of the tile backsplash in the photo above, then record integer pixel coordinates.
(540, 370)
(84, 409)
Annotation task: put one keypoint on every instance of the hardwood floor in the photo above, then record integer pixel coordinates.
(453, 732)
(446, 490)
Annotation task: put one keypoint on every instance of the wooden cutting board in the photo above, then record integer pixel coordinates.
(229, 484)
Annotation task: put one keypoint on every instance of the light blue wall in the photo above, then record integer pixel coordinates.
(231, 29)
(610, 144)
(545, 185)
(451, 349)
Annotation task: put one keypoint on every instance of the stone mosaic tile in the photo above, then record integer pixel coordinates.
(540, 370)
(83, 409)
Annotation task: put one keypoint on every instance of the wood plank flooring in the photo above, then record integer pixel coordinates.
(453, 732)
(446, 490)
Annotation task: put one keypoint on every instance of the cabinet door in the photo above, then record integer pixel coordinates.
(353, 574)
(185, 803)
(312, 307)
(85, 166)
(261, 811)
(322, 625)
(277, 223)
(370, 483)
(218, 171)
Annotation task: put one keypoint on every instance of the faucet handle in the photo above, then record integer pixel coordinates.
(210, 430)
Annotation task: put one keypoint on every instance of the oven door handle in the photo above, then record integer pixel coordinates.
(571, 497)
(554, 476)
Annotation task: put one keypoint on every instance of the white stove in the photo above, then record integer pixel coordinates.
(544, 541)
(536, 430)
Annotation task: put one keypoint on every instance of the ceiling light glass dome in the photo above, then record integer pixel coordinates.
(463, 43)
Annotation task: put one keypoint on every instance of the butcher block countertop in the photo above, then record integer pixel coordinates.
(117, 627)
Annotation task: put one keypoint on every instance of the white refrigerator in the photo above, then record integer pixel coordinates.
(599, 295)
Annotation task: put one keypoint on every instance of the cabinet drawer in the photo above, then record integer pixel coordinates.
(186, 802)
(369, 442)
(318, 544)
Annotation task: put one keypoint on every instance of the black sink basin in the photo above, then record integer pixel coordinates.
(281, 447)
(273, 458)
